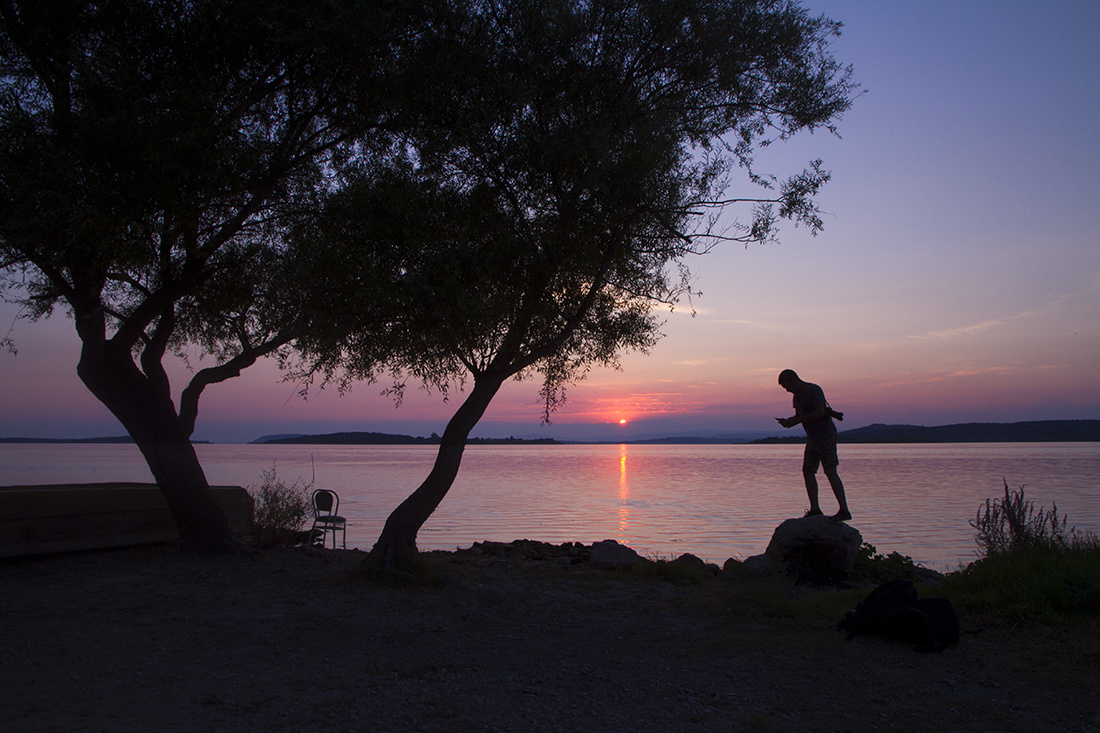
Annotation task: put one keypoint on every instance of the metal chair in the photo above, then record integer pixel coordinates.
(326, 504)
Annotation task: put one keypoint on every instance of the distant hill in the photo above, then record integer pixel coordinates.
(273, 438)
(389, 439)
(1039, 431)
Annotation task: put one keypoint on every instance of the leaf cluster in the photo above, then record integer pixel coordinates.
(560, 162)
(154, 154)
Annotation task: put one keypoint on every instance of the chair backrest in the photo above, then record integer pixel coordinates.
(325, 502)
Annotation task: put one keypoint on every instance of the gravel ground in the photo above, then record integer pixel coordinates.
(520, 637)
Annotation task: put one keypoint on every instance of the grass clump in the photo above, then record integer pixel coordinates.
(1049, 585)
(1034, 568)
(280, 510)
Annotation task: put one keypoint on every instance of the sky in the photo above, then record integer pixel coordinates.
(957, 278)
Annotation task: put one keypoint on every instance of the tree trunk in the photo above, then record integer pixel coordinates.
(144, 407)
(202, 524)
(397, 542)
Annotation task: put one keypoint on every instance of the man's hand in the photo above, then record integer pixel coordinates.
(787, 422)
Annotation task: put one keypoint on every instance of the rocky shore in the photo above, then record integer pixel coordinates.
(516, 637)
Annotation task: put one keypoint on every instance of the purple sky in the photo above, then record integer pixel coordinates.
(957, 280)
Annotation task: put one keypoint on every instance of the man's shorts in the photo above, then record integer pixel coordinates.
(819, 453)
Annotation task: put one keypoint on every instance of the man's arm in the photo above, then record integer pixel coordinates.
(816, 414)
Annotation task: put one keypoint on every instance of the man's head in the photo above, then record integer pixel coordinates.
(789, 381)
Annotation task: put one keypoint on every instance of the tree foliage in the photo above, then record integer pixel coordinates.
(152, 157)
(563, 159)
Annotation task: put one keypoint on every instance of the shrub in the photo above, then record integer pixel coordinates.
(280, 511)
(1033, 568)
(1012, 523)
(872, 565)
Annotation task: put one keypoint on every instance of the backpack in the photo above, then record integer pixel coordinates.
(893, 610)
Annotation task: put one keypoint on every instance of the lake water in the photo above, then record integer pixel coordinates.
(714, 501)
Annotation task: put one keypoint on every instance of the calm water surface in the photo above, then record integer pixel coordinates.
(713, 501)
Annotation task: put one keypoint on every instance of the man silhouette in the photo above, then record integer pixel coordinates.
(812, 411)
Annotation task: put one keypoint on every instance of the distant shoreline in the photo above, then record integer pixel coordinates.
(1036, 431)
(118, 439)
(390, 439)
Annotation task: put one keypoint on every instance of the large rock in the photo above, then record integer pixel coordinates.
(817, 548)
(610, 554)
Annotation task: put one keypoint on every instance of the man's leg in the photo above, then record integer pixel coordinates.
(838, 491)
(810, 462)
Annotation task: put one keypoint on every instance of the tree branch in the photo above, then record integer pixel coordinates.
(153, 353)
(189, 399)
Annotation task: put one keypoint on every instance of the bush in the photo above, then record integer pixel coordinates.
(280, 511)
(1033, 568)
(872, 565)
(1011, 524)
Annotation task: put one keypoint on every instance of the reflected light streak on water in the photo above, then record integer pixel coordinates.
(624, 494)
(713, 501)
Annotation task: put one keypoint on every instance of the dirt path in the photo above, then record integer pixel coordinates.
(146, 639)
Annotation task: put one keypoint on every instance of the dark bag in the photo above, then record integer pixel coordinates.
(893, 610)
(869, 616)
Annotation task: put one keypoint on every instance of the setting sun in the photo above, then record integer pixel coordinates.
(622, 422)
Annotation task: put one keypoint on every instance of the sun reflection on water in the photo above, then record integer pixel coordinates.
(624, 493)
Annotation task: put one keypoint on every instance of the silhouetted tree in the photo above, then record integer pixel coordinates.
(152, 154)
(567, 157)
